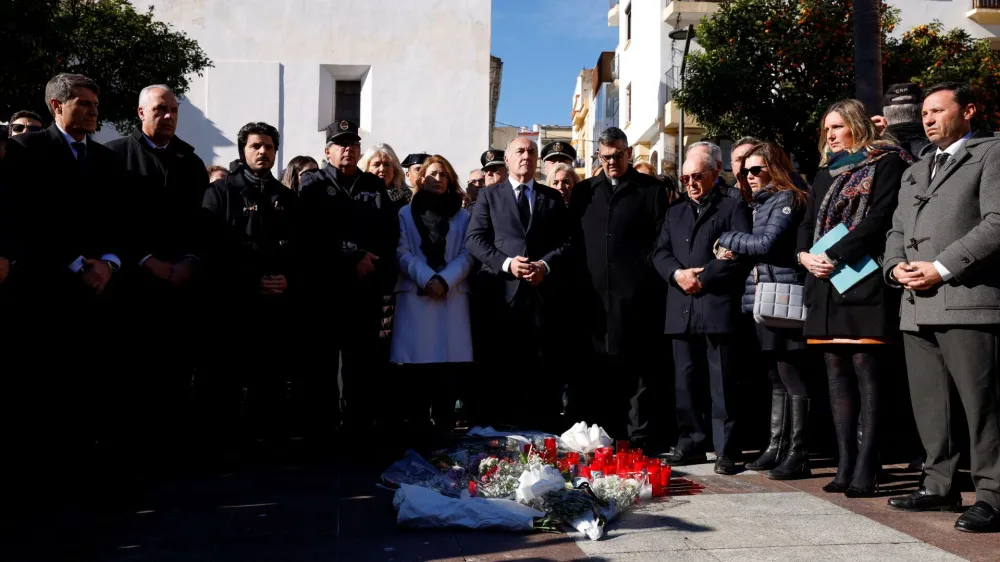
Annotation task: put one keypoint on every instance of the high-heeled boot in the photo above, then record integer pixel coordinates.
(796, 462)
(778, 444)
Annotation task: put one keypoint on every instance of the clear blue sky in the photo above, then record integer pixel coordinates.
(544, 44)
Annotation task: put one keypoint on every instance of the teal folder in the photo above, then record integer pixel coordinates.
(844, 276)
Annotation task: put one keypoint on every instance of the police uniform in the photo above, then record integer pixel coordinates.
(559, 151)
(416, 159)
(492, 157)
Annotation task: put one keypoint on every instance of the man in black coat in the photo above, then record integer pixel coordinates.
(353, 230)
(62, 239)
(703, 308)
(167, 182)
(251, 257)
(615, 220)
(517, 231)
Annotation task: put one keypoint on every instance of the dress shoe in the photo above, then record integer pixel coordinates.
(980, 518)
(724, 465)
(677, 457)
(922, 500)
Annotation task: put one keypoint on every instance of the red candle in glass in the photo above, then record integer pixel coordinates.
(585, 471)
(550, 446)
(665, 476)
(610, 469)
(621, 446)
(573, 458)
(640, 465)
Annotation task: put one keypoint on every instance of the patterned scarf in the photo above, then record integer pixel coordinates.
(849, 196)
(431, 214)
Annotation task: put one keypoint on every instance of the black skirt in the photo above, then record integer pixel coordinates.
(779, 339)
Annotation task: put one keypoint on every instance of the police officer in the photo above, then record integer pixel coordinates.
(557, 152)
(412, 165)
(494, 168)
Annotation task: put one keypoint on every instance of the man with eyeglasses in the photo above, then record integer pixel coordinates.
(477, 181)
(702, 310)
(24, 122)
(615, 219)
(352, 231)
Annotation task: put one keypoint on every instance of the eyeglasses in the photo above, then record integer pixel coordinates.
(691, 178)
(755, 170)
(479, 182)
(612, 157)
(21, 127)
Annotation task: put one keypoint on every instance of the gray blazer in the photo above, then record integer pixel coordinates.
(954, 219)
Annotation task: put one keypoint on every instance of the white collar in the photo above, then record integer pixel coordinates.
(516, 184)
(69, 138)
(152, 144)
(955, 146)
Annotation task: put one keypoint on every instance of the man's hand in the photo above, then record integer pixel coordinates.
(159, 268)
(183, 272)
(819, 267)
(435, 289)
(687, 280)
(4, 268)
(520, 267)
(96, 274)
(537, 274)
(917, 276)
(273, 284)
(367, 264)
(880, 123)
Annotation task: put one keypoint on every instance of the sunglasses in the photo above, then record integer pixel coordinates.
(21, 127)
(691, 178)
(755, 170)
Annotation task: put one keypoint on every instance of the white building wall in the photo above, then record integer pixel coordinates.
(951, 13)
(642, 65)
(424, 66)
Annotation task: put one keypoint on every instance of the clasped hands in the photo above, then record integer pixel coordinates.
(177, 274)
(531, 271)
(917, 276)
(817, 265)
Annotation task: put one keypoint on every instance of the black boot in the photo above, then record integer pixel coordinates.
(779, 434)
(796, 463)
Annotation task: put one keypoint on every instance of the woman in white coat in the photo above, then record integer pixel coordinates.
(432, 327)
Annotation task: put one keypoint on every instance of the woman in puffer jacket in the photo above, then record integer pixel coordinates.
(779, 206)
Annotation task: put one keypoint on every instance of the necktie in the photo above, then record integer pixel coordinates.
(81, 154)
(523, 207)
(939, 161)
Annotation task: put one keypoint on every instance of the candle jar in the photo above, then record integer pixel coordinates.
(665, 476)
(621, 446)
(585, 471)
(573, 458)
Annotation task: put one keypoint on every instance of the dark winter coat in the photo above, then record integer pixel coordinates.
(771, 245)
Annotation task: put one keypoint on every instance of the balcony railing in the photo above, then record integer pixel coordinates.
(988, 4)
(671, 82)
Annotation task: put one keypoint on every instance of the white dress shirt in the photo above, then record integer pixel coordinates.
(951, 150)
(529, 192)
(78, 263)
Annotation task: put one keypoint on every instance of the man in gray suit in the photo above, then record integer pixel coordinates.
(944, 248)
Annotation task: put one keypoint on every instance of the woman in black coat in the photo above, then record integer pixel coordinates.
(857, 186)
(779, 207)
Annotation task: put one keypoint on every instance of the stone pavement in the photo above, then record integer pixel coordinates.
(328, 510)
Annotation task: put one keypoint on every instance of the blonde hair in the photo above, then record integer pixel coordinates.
(564, 167)
(387, 151)
(858, 122)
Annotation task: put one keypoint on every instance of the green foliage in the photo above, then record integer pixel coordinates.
(926, 55)
(770, 68)
(106, 40)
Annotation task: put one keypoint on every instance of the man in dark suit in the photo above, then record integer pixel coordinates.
(62, 236)
(517, 230)
(615, 219)
(703, 308)
(944, 248)
(167, 182)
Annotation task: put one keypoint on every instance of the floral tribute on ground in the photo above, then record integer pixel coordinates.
(525, 481)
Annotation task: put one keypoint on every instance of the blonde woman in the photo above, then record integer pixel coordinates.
(562, 178)
(382, 161)
(857, 186)
(432, 295)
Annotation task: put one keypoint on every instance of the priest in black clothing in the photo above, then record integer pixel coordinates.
(351, 218)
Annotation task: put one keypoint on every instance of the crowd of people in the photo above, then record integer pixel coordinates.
(151, 300)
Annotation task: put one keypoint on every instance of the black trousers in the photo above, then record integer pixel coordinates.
(966, 358)
(363, 360)
(699, 359)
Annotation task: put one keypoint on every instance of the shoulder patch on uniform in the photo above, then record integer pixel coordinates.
(787, 210)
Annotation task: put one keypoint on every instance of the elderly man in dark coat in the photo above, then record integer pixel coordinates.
(703, 308)
(615, 219)
(944, 248)
(167, 181)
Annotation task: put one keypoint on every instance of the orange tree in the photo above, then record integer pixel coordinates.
(927, 55)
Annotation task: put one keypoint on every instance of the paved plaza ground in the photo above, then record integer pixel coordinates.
(327, 509)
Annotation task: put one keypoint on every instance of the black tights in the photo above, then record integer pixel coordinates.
(785, 371)
(853, 374)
